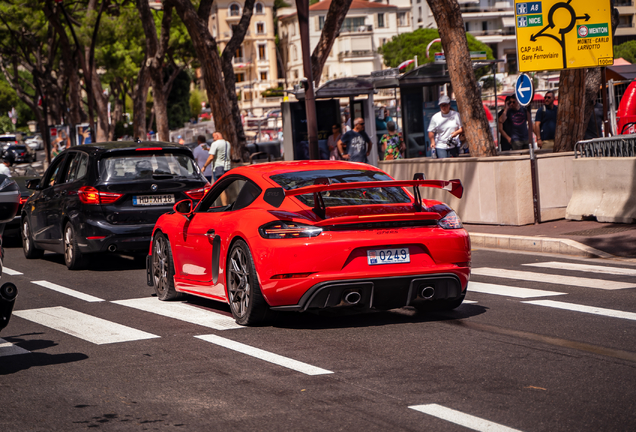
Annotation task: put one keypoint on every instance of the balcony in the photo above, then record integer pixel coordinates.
(242, 62)
(509, 31)
(356, 29)
(355, 54)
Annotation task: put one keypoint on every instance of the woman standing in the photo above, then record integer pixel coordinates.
(392, 143)
(332, 142)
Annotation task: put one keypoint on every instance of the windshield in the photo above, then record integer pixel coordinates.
(7, 139)
(147, 166)
(391, 195)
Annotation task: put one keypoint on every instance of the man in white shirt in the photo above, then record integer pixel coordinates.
(4, 166)
(220, 155)
(445, 125)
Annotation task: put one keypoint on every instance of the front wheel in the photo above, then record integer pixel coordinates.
(73, 257)
(28, 245)
(163, 269)
(246, 300)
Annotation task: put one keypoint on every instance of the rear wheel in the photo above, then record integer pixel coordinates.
(28, 245)
(246, 300)
(163, 269)
(73, 257)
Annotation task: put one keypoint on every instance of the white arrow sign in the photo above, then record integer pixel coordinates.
(522, 90)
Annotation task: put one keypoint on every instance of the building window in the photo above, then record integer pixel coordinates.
(484, 26)
(258, 9)
(260, 28)
(235, 10)
(262, 51)
(625, 21)
(352, 24)
(263, 76)
(240, 77)
(380, 20)
(294, 53)
(239, 54)
(402, 19)
(321, 22)
(293, 29)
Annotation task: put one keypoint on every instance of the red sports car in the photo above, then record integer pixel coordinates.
(308, 235)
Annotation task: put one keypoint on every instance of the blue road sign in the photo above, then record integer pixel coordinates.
(524, 90)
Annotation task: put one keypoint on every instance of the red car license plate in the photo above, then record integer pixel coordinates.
(388, 256)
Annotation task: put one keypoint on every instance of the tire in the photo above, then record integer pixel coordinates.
(73, 257)
(163, 269)
(440, 305)
(244, 294)
(28, 245)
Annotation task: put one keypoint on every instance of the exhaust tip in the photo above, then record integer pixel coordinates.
(8, 292)
(352, 298)
(427, 292)
(112, 248)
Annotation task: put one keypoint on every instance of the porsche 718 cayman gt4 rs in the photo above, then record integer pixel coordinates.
(310, 235)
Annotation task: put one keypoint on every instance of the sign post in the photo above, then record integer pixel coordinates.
(558, 34)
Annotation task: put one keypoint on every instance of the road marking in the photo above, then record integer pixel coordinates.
(509, 291)
(551, 279)
(585, 267)
(469, 302)
(96, 330)
(265, 355)
(183, 312)
(587, 309)
(9, 349)
(458, 417)
(11, 272)
(67, 291)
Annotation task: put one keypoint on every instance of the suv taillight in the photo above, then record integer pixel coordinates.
(197, 194)
(90, 195)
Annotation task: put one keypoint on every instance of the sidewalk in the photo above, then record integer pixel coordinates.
(577, 238)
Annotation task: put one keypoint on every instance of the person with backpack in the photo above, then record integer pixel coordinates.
(545, 122)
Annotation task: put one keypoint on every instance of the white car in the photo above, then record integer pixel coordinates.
(35, 142)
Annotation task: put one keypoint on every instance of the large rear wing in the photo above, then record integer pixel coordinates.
(276, 196)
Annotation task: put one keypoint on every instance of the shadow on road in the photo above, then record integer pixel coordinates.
(103, 262)
(15, 363)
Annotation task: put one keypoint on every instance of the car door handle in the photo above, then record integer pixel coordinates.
(211, 233)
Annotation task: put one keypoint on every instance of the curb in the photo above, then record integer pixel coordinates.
(536, 244)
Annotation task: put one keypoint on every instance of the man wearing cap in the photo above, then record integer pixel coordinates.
(444, 127)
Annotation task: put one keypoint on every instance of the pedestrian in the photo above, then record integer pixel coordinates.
(545, 122)
(519, 118)
(355, 145)
(462, 144)
(504, 128)
(6, 163)
(380, 122)
(201, 153)
(219, 154)
(392, 143)
(444, 127)
(332, 142)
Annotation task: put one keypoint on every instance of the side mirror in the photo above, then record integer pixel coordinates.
(184, 207)
(33, 184)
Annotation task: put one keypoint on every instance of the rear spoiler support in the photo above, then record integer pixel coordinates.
(416, 191)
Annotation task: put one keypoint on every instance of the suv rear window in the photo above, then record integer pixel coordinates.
(298, 179)
(147, 166)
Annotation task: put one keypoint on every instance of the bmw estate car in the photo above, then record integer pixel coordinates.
(106, 197)
(312, 235)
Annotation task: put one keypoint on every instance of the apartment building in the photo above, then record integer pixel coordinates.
(626, 29)
(367, 26)
(490, 21)
(255, 64)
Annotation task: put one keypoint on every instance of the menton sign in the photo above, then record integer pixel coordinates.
(563, 34)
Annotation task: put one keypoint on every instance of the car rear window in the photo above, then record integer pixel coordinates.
(17, 147)
(298, 179)
(7, 138)
(147, 166)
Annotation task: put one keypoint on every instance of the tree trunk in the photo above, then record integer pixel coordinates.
(208, 55)
(333, 21)
(139, 98)
(571, 125)
(453, 34)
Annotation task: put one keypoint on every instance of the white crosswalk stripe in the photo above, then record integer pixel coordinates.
(584, 267)
(462, 419)
(9, 349)
(11, 272)
(96, 330)
(586, 309)
(551, 279)
(183, 312)
(67, 291)
(509, 291)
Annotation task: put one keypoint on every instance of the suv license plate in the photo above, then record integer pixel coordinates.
(148, 200)
(388, 256)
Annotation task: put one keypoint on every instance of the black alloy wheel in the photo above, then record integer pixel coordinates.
(163, 269)
(73, 257)
(246, 300)
(28, 245)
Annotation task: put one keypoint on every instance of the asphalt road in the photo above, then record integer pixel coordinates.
(533, 349)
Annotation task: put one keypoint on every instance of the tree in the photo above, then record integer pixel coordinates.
(626, 50)
(449, 20)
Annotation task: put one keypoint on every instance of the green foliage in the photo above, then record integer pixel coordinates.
(179, 101)
(197, 97)
(279, 4)
(5, 124)
(408, 45)
(313, 2)
(273, 92)
(626, 50)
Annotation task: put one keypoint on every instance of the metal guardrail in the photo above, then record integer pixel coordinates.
(616, 146)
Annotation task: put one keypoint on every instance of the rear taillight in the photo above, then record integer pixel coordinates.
(23, 200)
(197, 194)
(288, 229)
(90, 195)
